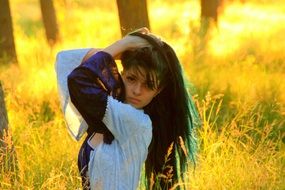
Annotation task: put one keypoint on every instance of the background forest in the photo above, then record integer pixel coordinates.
(236, 74)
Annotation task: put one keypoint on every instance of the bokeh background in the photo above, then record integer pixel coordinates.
(236, 74)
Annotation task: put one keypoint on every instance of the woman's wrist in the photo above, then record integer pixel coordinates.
(116, 48)
(126, 43)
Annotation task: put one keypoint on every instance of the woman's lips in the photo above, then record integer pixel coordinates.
(134, 100)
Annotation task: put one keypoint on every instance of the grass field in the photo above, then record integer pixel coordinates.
(238, 82)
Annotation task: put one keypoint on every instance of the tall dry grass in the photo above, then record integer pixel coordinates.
(238, 78)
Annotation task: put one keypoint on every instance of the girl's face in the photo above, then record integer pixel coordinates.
(137, 92)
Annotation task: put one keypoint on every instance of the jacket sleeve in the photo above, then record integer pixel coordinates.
(90, 84)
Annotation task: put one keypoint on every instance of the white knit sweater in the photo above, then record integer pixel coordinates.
(118, 166)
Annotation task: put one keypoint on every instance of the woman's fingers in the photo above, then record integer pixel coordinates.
(136, 42)
(143, 30)
(156, 38)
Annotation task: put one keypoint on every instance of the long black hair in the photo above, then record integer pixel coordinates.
(171, 111)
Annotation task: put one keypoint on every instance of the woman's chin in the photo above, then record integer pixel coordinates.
(135, 105)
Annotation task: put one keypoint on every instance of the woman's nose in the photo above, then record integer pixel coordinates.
(137, 90)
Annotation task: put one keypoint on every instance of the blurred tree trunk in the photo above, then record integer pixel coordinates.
(8, 157)
(7, 45)
(209, 18)
(209, 9)
(49, 19)
(209, 14)
(3, 114)
(133, 15)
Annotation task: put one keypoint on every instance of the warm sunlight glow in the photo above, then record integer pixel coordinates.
(241, 21)
(236, 76)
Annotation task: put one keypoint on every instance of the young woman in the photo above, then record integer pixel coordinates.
(133, 118)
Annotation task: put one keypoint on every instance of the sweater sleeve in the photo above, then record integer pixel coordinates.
(66, 61)
(90, 84)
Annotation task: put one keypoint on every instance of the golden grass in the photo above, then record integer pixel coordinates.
(238, 79)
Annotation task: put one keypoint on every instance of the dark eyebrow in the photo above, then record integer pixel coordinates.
(132, 75)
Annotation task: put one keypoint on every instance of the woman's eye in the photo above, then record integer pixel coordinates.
(131, 79)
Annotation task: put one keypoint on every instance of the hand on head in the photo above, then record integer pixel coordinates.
(139, 42)
(131, 42)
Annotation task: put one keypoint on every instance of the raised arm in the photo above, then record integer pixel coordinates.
(97, 77)
(127, 43)
(90, 53)
(90, 83)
